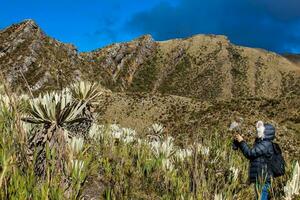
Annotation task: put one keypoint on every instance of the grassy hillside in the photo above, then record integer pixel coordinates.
(184, 117)
(111, 161)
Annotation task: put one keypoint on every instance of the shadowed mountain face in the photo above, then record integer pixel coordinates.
(205, 67)
(295, 58)
(189, 85)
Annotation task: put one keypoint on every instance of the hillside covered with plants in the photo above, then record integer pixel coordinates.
(53, 147)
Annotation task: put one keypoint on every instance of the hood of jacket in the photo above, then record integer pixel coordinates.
(269, 133)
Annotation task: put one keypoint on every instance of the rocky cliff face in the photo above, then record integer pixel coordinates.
(119, 63)
(206, 67)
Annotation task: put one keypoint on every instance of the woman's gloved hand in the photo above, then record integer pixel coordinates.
(238, 138)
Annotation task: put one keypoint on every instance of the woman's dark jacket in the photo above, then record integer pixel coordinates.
(258, 155)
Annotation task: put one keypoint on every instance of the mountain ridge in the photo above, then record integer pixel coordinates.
(205, 67)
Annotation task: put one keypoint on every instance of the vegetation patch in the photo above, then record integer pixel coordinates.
(145, 76)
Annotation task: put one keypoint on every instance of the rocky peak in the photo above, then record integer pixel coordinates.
(29, 25)
(18, 35)
(145, 38)
(26, 29)
(26, 51)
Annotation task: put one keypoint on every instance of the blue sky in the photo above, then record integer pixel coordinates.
(270, 24)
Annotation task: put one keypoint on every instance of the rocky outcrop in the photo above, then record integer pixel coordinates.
(121, 61)
(32, 60)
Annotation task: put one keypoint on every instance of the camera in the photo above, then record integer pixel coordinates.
(235, 128)
(235, 145)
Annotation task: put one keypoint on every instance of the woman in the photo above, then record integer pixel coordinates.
(259, 174)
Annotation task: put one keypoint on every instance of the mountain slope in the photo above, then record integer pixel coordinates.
(205, 67)
(186, 118)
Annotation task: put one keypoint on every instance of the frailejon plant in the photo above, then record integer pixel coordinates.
(163, 150)
(85, 93)
(156, 129)
(76, 144)
(96, 132)
(54, 111)
(293, 186)
(162, 147)
(77, 167)
(4, 101)
(182, 154)
(114, 132)
(202, 149)
(219, 197)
